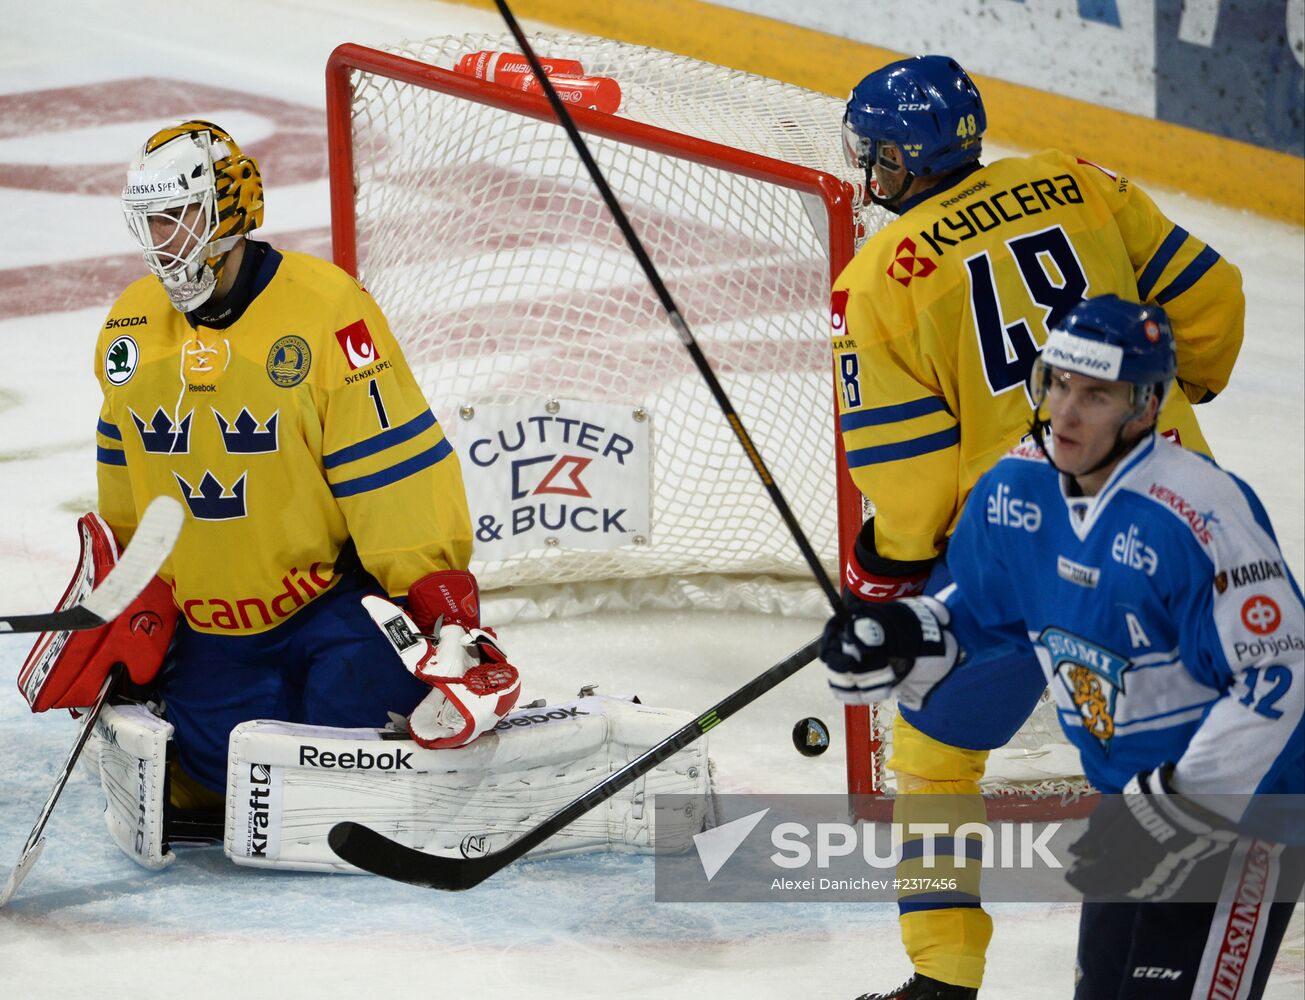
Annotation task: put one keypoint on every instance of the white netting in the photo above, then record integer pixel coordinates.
(503, 275)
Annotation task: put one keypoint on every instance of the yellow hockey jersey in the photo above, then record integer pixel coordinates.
(938, 319)
(286, 434)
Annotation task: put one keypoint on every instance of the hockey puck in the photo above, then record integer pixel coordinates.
(811, 737)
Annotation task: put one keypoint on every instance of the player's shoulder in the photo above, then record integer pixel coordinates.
(1211, 504)
(321, 277)
(143, 304)
(1024, 464)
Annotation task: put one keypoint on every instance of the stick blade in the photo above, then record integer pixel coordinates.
(364, 848)
(20, 871)
(150, 546)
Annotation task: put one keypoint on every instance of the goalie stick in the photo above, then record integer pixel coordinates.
(35, 840)
(150, 546)
(364, 848)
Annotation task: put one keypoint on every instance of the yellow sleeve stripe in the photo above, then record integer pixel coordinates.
(380, 442)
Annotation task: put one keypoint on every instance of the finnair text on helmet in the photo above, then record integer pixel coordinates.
(1087, 357)
(1011, 845)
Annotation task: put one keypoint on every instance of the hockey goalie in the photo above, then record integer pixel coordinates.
(463, 775)
(321, 576)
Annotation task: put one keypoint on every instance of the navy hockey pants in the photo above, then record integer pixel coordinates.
(1168, 951)
(329, 665)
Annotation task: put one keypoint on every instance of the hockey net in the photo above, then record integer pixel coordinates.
(463, 209)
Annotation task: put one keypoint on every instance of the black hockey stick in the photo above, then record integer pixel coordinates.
(365, 848)
(672, 310)
(35, 840)
(154, 538)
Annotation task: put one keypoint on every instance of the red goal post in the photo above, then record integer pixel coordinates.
(436, 181)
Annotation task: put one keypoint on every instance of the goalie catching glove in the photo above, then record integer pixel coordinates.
(899, 647)
(474, 685)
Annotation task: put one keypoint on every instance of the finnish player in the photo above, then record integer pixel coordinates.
(936, 325)
(1150, 586)
(264, 389)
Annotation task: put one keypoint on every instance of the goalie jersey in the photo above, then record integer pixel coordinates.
(1166, 621)
(938, 319)
(293, 432)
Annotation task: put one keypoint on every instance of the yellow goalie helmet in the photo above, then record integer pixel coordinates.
(191, 195)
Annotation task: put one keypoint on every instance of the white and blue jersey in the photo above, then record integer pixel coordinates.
(1167, 623)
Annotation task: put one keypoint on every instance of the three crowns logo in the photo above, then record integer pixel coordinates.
(242, 436)
(162, 437)
(212, 501)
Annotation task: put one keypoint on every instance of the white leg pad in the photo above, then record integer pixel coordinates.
(129, 750)
(287, 785)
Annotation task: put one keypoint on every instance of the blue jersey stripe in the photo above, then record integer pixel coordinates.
(410, 467)
(939, 441)
(892, 414)
(108, 430)
(936, 901)
(1189, 275)
(383, 440)
(110, 456)
(1151, 273)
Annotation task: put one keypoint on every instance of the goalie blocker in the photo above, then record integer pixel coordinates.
(287, 785)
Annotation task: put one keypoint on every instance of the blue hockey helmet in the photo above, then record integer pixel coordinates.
(1115, 340)
(927, 106)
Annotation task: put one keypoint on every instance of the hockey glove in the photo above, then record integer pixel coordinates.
(447, 596)
(869, 578)
(474, 685)
(67, 669)
(902, 647)
(1145, 843)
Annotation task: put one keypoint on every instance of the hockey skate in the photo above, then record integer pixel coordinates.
(920, 987)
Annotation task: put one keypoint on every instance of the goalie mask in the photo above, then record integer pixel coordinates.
(191, 195)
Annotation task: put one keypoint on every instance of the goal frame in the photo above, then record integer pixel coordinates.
(861, 732)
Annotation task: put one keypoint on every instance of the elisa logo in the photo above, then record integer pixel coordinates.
(1261, 615)
(357, 344)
